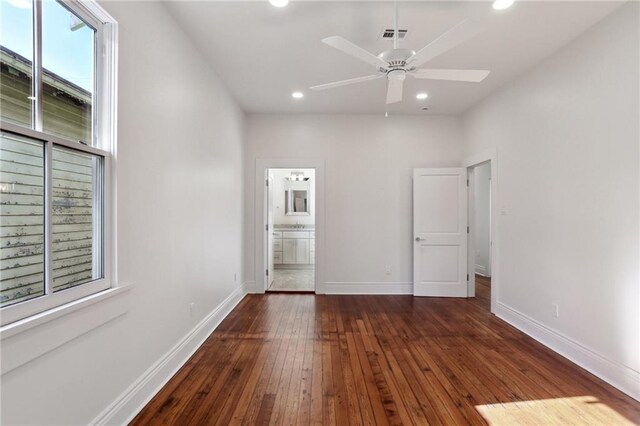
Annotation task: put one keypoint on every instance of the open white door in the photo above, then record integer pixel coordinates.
(440, 232)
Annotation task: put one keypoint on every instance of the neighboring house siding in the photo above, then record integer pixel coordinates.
(22, 227)
(72, 221)
(67, 107)
(66, 115)
(66, 112)
(15, 87)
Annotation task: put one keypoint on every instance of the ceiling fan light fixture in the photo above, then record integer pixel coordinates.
(422, 96)
(279, 3)
(502, 4)
(297, 95)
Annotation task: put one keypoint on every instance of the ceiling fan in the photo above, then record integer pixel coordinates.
(395, 64)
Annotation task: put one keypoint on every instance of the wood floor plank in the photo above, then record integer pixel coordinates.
(432, 386)
(339, 387)
(353, 407)
(392, 399)
(363, 360)
(389, 341)
(366, 410)
(291, 402)
(303, 416)
(459, 396)
(375, 399)
(255, 407)
(259, 371)
(328, 394)
(266, 409)
(292, 361)
(317, 397)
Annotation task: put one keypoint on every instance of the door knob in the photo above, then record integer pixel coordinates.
(419, 239)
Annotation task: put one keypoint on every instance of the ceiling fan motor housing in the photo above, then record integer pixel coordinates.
(397, 58)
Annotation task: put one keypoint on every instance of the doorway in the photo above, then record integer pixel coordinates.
(482, 232)
(480, 236)
(290, 229)
(260, 240)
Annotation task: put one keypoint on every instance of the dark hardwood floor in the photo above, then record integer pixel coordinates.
(307, 359)
(483, 291)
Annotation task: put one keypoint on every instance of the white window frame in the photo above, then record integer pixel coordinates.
(103, 144)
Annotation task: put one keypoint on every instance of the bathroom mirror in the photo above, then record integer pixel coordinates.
(296, 202)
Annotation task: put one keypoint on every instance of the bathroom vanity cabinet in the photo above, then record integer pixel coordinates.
(294, 247)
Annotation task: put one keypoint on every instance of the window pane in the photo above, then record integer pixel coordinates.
(16, 56)
(67, 75)
(22, 219)
(77, 216)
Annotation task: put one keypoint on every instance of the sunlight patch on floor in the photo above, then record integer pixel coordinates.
(579, 410)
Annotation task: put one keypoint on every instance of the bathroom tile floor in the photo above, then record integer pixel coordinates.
(293, 280)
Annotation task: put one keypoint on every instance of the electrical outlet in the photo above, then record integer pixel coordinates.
(556, 310)
(387, 270)
(192, 308)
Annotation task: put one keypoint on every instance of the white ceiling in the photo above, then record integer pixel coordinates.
(264, 53)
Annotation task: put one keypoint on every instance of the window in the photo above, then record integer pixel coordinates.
(56, 140)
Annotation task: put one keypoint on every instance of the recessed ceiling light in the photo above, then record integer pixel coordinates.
(279, 3)
(502, 4)
(297, 95)
(422, 96)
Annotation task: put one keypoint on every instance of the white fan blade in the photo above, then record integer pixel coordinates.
(394, 90)
(349, 48)
(345, 82)
(472, 76)
(462, 32)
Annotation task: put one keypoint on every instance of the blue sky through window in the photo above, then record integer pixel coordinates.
(67, 53)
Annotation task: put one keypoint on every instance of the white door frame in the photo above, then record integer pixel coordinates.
(470, 162)
(260, 216)
(269, 233)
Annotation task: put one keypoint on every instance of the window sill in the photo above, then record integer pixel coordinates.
(27, 339)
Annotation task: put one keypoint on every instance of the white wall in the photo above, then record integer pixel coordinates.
(279, 216)
(179, 223)
(482, 197)
(567, 139)
(368, 165)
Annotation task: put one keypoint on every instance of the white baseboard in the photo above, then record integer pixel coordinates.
(353, 288)
(612, 372)
(135, 397)
(367, 288)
